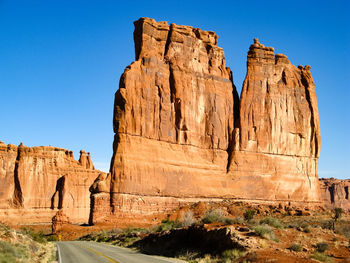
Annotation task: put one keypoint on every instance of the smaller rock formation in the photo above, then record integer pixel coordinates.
(37, 181)
(85, 160)
(335, 193)
(100, 195)
(58, 221)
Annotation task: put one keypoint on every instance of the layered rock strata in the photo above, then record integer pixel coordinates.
(335, 193)
(35, 182)
(277, 141)
(182, 134)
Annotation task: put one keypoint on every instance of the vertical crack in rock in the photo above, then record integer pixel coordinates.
(17, 195)
(314, 122)
(331, 192)
(233, 141)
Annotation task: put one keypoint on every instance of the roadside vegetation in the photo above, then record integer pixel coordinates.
(25, 246)
(253, 230)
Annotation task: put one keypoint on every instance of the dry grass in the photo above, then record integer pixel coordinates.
(18, 246)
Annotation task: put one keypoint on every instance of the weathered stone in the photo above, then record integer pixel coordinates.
(182, 135)
(37, 181)
(278, 138)
(335, 193)
(58, 221)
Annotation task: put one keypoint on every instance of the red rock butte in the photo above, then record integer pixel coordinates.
(182, 134)
(37, 182)
(335, 193)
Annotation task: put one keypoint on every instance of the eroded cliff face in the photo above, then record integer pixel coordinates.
(8, 156)
(277, 142)
(37, 181)
(335, 193)
(182, 135)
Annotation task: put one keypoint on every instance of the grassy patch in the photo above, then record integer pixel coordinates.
(213, 216)
(187, 218)
(232, 254)
(296, 247)
(168, 225)
(274, 222)
(228, 256)
(266, 232)
(321, 257)
(343, 228)
(249, 214)
(36, 236)
(303, 226)
(322, 247)
(12, 253)
(236, 220)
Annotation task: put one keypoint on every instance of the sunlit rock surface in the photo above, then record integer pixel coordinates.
(35, 182)
(182, 134)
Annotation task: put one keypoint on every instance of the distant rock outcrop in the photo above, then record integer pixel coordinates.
(59, 220)
(35, 182)
(183, 135)
(335, 193)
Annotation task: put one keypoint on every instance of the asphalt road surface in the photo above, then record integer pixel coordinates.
(93, 252)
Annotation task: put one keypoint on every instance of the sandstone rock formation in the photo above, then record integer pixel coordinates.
(58, 221)
(182, 134)
(36, 182)
(278, 138)
(335, 193)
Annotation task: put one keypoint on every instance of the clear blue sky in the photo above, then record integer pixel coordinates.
(60, 63)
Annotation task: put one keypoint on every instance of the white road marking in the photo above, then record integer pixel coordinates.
(59, 254)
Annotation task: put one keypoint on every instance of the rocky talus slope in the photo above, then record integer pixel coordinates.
(182, 134)
(36, 182)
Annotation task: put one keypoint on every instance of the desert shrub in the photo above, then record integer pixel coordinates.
(236, 220)
(212, 216)
(249, 214)
(115, 231)
(51, 238)
(102, 236)
(266, 232)
(168, 225)
(12, 253)
(253, 222)
(36, 236)
(130, 230)
(300, 225)
(306, 229)
(188, 255)
(321, 257)
(207, 259)
(232, 254)
(327, 224)
(296, 247)
(337, 213)
(274, 222)
(343, 228)
(187, 218)
(303, 224)
(322, 247)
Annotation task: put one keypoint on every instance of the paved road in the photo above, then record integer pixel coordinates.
(93, 252)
